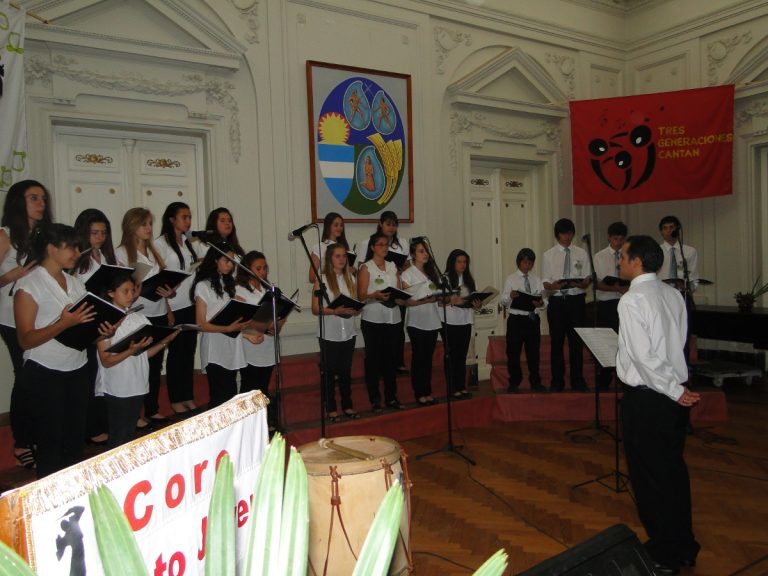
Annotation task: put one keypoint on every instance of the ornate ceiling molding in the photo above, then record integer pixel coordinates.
(37, 69)
(718, 50)
(461, 123)
(249, 11)
(447, 40)
(755, 109)
(566, 65)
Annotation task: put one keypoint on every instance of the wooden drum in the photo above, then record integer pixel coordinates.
(348, 478)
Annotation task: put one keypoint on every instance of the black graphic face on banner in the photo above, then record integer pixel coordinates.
(72, 537)
(625, 160)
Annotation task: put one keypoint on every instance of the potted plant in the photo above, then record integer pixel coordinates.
(746, 300)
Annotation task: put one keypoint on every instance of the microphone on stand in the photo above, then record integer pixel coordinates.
(585, 238)
(676, 232)
(202, 234)
(299, 231)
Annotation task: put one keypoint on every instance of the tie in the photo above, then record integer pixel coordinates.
(617, 257)
(527, 284)
(672, 263)
(567, 264)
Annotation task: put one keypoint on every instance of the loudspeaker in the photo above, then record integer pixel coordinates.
(614, 552)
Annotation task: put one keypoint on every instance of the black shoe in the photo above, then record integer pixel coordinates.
(376, 408)
(402, 370)
(513, 390)
(538, 388)
(579, 387)
(688, 562)
(659, 568)
(466, 394)
(557, 387)
(395, 404)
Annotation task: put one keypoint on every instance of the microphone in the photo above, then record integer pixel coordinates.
(676, 232)
(201, 234)
(585, 238)
(299, 231)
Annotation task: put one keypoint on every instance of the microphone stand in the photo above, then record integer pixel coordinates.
(445, 290)
(275, 295)
(596, 425)
(322, 295)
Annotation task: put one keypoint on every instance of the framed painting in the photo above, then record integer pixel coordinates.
(360, 150)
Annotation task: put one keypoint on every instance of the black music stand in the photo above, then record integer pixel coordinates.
(603, 344)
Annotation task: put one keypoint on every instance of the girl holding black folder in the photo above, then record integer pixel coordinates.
(95, 237)
(123, 378)
(221, 355)
(258, 341)
(178, 253)
(54, 375)
(26, 207)
(460, 319)
(338, 342)
(379, 322)
(222, 225)
(333, 233)
(423, 320)
(136, 246)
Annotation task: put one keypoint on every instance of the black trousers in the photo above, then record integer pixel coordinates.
(459, 336)
(151, 405)
(338, 368)
(380, 359)
(96, 418)
(60, 401)
(422, 350)
(21, 408)
(222, 384)
(564, 314)
(123, 414)
(523, 332)
(607, 317)
(400, 346)
(654, 428)
(180, 365)
(257, 378)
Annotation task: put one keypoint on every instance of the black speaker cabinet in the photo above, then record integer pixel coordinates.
(614, 552)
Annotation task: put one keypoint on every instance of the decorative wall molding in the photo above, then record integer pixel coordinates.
(249, 11)
(567, 68)
(461, 123)
(755, 109)
(447, 40)
(216, 91)
(94, 158)
(718, 50)
(163, 163)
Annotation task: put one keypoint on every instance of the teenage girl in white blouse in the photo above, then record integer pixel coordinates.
(338, 342)
(333, 233)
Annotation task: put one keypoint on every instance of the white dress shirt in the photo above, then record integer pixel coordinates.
(51, 300)
(336, 328)
(262, 354)
(553, 263)
(691, 256)
(606, 264)
(216, 347)
(652, 329)
(93, 265)
(151, 309)
(459, 316)
(6, 295)
(131, 376)
(182, 298)
(516, 282)
(422, 316)
(376, 312)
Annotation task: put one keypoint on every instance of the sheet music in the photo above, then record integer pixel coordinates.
(602, 342)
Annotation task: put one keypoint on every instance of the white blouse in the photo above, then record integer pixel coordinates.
(131, 376)
(319, 251)
(93, 265)
(51, 300)
(6, 297)
(217, 348)
(257, 354)
(376, 312)
(182, 298)
(336, 328)
(457, 316)
(151, 309)
(422, 316)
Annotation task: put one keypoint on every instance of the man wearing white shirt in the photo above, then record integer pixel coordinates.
(609, 288)
(566, 271)
(675, 260)
(651, 362)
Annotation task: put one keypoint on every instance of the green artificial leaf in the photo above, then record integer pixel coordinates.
(495, 565)
(11, 564)
(376, 554)
(118, 550)
(220, 554)
(294, 540)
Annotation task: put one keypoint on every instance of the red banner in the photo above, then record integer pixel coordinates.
(666, 146)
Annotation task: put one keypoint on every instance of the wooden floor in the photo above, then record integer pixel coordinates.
(520, 495)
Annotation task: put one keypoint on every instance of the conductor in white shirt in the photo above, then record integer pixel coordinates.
(650, 361)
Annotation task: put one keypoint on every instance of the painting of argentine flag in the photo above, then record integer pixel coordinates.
(360, 142)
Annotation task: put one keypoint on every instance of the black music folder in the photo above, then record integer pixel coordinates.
(81, 336)
(570, 283)
(483, 296)
(98, 281)
(615, 281)
(157, 333)
(170, 278)
(351, 258)
(232, 311)
(525, 302)
(285, 306)
(344, 301)
(395, 294)
(397, 258)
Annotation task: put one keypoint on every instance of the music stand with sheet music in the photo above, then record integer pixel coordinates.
(603, 344)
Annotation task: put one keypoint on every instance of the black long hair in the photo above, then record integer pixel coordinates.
(15, 216)
(58, 235)
(392, 217)
(210, 224)
(83, 224)
(243, 278)
(453, 277)
(208, 270)
(114, 281)
(371, 241)
(430, 268)
(168, 232)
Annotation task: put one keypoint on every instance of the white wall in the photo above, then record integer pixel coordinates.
(233, 72)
